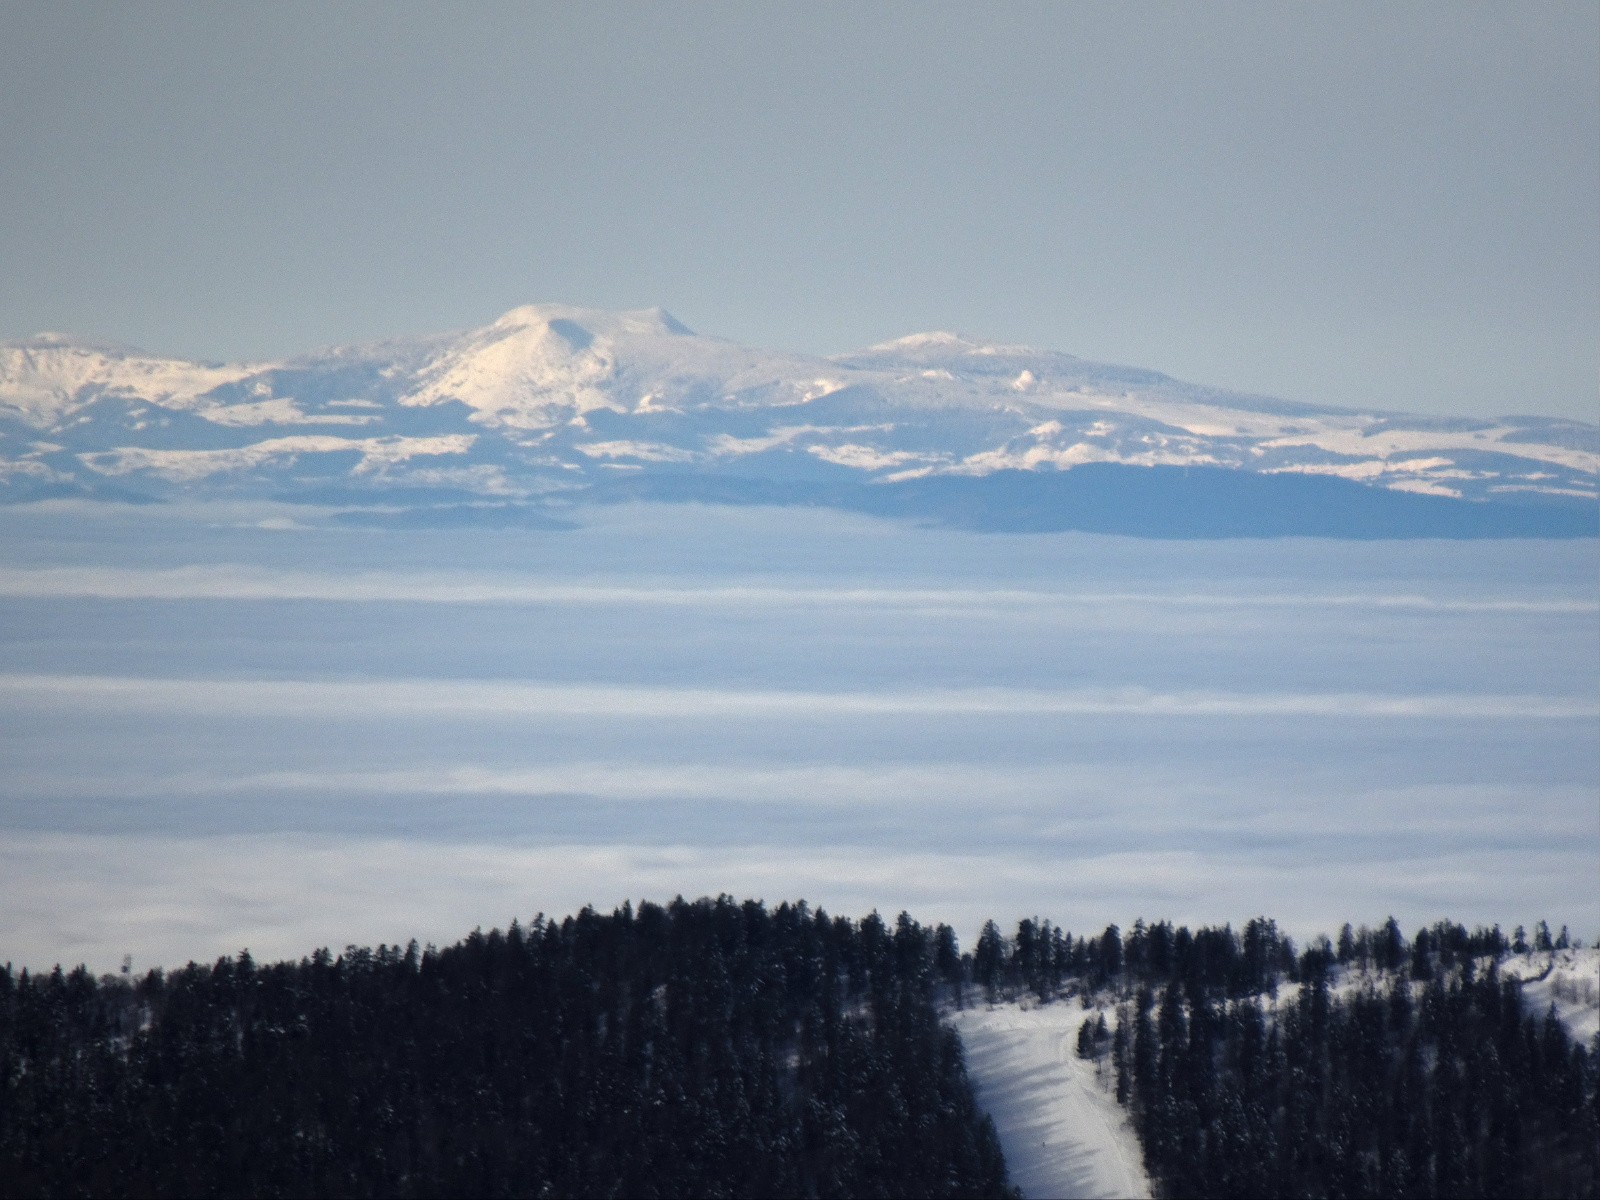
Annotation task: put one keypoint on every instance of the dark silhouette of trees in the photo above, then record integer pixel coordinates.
(1392, 1069)
(720, 1048)
(710, 1049)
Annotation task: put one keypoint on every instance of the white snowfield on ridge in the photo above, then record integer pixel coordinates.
(549, 395)
(1566, 982)
(1057, 1117)
(1059, 1124)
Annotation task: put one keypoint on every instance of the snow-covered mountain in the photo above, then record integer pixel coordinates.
(552, 404)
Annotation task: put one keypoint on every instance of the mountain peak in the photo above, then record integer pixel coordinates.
(583, 325)
(934, 339)
(53, 340)
(943, 347)
(554, 397)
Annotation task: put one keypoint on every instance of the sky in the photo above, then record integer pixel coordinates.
(1372, 205)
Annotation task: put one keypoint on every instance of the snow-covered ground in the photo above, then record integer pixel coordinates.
(1059, 1125)
(1568, 980)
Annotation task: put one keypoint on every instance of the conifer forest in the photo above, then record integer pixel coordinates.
(720, 1048)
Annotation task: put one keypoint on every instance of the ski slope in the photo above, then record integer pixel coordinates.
(1060, 1127)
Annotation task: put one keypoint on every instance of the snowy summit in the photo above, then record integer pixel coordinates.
(556, 401)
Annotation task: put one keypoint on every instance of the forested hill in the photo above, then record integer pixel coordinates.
(1379, 1066)
(717, 1048)
(699, 1049)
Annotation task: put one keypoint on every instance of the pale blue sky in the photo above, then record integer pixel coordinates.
(1386, 205)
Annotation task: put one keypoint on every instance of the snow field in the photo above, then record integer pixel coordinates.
(1059, 1123)
(1568, 981)
(1063, 1133)
(927, 405)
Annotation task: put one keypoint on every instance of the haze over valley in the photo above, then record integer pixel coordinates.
(233, 724)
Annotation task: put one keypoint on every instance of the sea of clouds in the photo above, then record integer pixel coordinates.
(230, 727)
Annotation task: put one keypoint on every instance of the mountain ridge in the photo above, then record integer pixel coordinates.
(555, 400)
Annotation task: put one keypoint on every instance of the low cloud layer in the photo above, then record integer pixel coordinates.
(90, 898)
(450, 697)
(246, 583)
(214, 737)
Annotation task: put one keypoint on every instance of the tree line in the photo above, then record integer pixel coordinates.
(718, 1048)
(706, 1048)
(1394, 1067)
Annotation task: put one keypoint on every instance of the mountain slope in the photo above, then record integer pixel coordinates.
(553, 404)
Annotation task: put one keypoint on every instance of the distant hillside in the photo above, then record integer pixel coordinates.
(552, 406)
(697, 1050)
(1450, 1063)
(718, 1048)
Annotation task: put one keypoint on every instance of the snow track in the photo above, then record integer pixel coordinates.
(1062, 1132)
